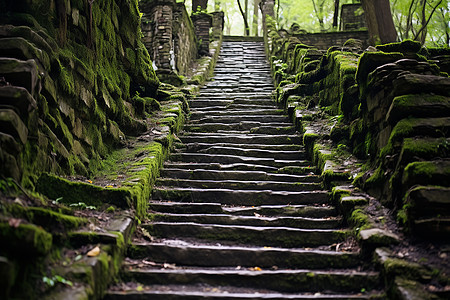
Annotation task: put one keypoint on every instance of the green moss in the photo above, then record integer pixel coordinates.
(360, 220)
(48, 219)
(406, 46)
(74, 192)
(25, 239)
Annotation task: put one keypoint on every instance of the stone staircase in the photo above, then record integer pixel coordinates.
(238, 212)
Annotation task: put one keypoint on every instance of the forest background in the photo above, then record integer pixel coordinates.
(427, 21)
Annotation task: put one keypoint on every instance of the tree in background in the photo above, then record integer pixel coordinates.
(244, 16)
(379, 21)
(427, 21)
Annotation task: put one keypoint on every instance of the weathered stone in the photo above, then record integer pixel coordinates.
(19, 98)
(426, 173)
(376, 237)
(20, 48)
(21, 73)
(421, 105)
(416, 83)
(7, 277)
(10, 123)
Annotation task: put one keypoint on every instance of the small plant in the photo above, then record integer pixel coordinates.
(82, 205)
(52, 281)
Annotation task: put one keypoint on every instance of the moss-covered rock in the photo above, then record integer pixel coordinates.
(25, 239)
(75, 192)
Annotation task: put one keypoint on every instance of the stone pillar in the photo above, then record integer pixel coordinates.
(157, 30)
(267, 9)
(202, 24)
(217, 24)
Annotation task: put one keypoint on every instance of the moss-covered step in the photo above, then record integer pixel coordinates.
(19, 98)
(70, 192)
(239, 197)
(436, 172)
(419, 106)
(27, 240)
(272, 221)
(280, 280)
(48, 219)
(202, 174)
(233, 159)
(240, 184)
(431, 127)
(255, 235)
(417, 83)
(194, 254)
(424, 148)
(428, 201)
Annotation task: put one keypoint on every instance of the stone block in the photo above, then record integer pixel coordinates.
(19, 98)
(376, 237)
(20, 48)
(10, 123)
(21, 73)
(417, 83)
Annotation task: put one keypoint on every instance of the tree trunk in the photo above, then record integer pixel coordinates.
(336, 13)
(247, 28)
(379, 21)
(255, 16)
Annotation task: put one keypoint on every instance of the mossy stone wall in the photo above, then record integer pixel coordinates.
(84, 63)
(389, 105)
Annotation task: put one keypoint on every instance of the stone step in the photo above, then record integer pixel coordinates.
(307, 211)
(233, 159)
(204, 292)
(237, 119)
(225, 167)
(240, 197)
(278, 280)
(253, 184)
(253, 235)
(253, 152)
(255, 220)
(254, 127)
(201, 102)
(234, 106)
(184, 253)
(241, 138)
(200, 146)
(198, 114)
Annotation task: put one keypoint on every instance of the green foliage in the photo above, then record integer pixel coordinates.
(52, 281)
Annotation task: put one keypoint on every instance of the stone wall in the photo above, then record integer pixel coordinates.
(326, 40)
(389, 108)
(68, 74)
(185, 40)
(352, 17)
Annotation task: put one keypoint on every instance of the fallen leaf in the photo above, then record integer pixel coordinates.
(14, 222)
(90, 181)
(257, 215)
(109, 186)
(94, 252)
(256, 269)
(139, 288)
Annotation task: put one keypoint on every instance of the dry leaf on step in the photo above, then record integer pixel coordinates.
(94, 252)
